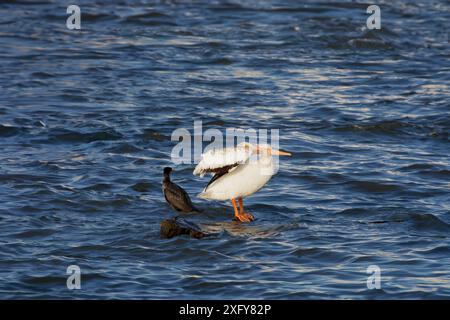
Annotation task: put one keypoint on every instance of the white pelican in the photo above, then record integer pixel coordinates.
(238, 173)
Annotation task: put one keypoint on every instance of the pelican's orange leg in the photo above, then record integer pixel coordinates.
(243, 216)
(236, 212)
(241, 205)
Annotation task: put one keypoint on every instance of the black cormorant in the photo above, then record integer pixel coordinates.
(175, 196)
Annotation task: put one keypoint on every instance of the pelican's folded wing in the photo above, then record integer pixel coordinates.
(216, 159)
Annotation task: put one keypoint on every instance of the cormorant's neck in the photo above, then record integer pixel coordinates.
(166, 177)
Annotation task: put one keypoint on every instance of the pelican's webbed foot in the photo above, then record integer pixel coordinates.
(244, 217)
(241, 216)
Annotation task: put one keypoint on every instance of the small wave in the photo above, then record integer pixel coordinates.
(382, 127)
(428, 169)
(438, 251)
(358, 211)
(33, 233)
(33, 3)
(417, 166)
(64, 135)
(142, 186)
(99, 187)
(301, 252)
(27, 178)
(154, 135)
(44, 280)
(153, 18)
(9, 131)
(421, 128)
(428, 221)
(93, 17)
(73, 98)
(373, 186)
(115, 203)
(320, 254)
(149, 14)
(363, 43)
(421, 221)
(42, 75)
(124, 148)
(299, 9)
(218, 123)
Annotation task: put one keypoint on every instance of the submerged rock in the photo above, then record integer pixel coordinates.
(179, 226)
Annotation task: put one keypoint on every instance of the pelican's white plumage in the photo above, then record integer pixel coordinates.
(219, 158)
(238, 173)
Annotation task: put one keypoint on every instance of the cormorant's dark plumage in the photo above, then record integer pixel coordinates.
(175, 196)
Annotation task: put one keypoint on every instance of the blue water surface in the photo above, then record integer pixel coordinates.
(86, 118)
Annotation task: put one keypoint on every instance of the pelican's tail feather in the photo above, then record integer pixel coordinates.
(203, 195)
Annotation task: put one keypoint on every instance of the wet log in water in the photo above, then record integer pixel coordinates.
(179, 226)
